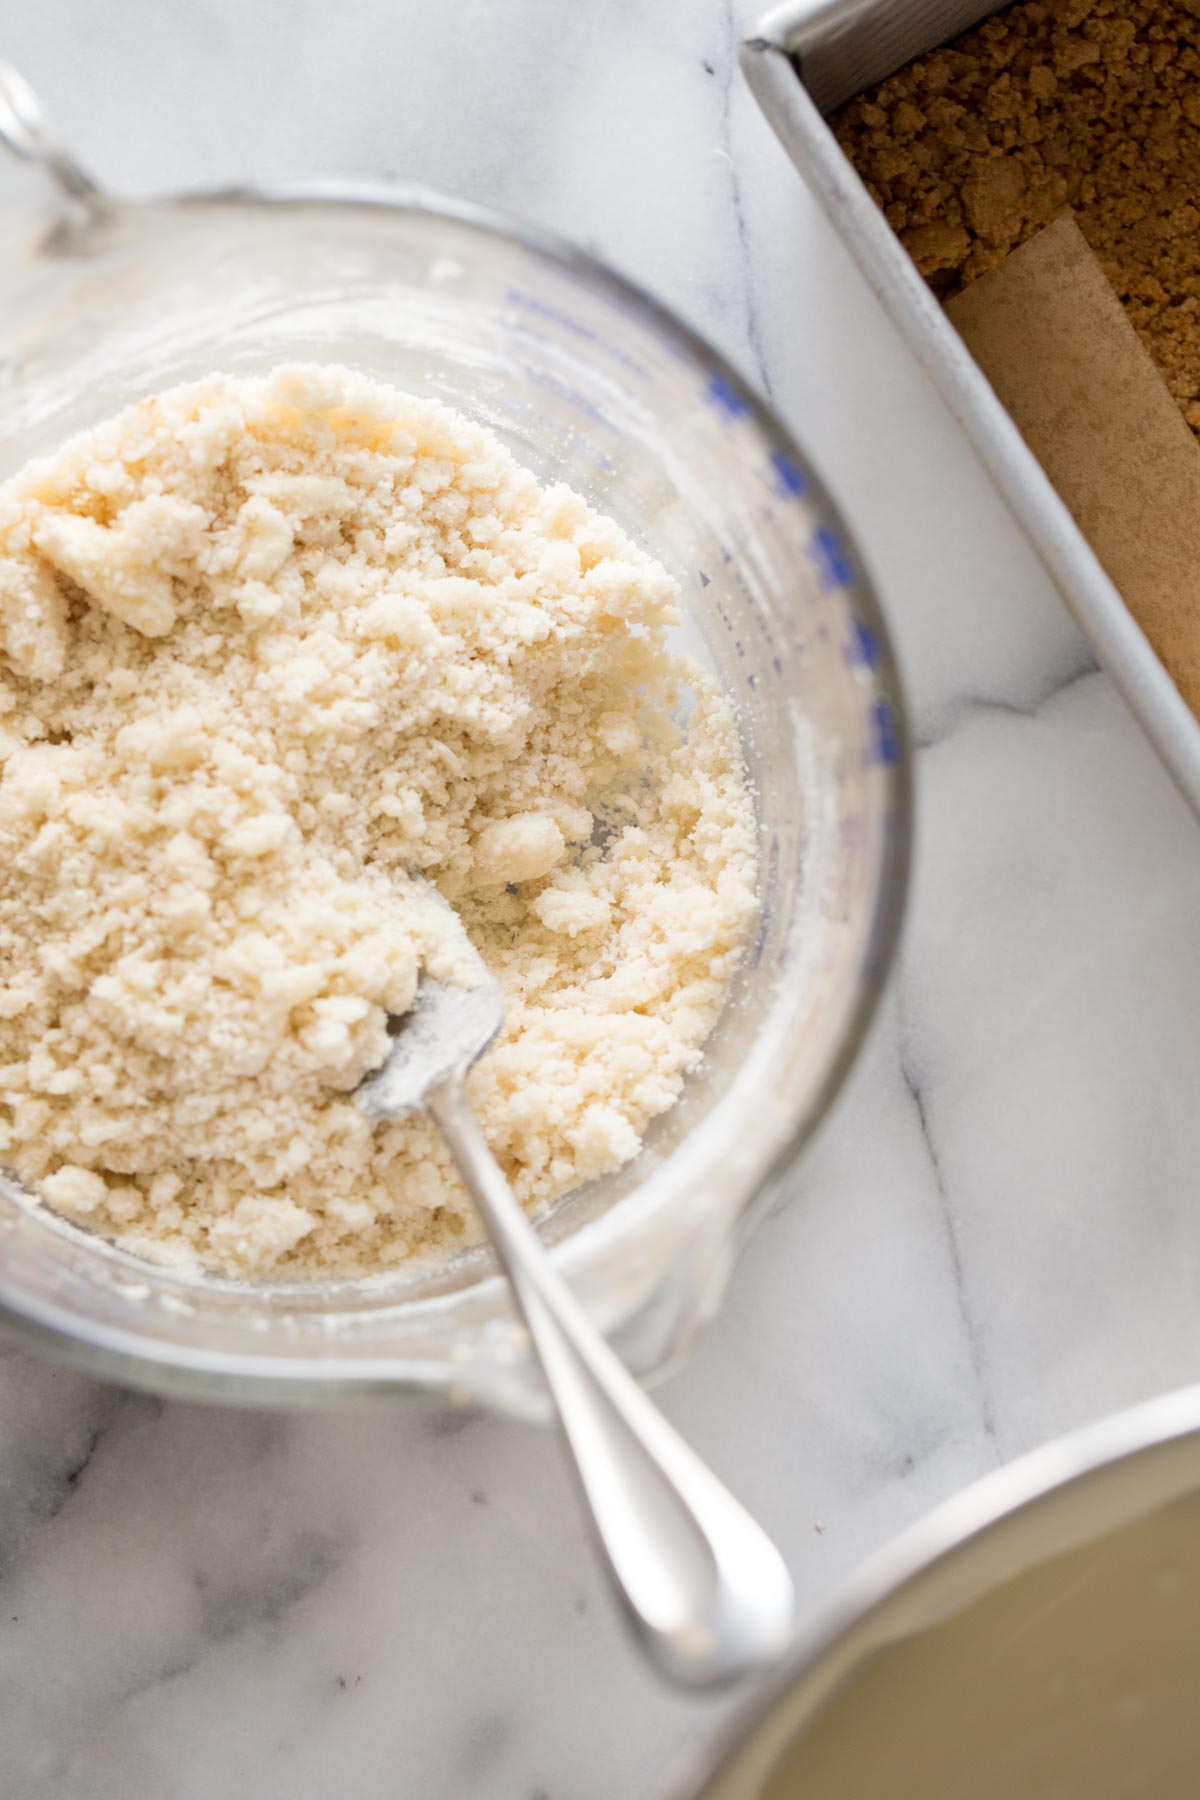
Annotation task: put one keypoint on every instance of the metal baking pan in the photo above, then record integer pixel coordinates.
(805, 59)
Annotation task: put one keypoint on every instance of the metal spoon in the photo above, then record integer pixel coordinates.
(707, 1592)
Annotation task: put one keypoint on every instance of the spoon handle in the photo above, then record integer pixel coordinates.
(707, 1592)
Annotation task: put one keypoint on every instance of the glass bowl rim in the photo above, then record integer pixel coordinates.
(125, 1355)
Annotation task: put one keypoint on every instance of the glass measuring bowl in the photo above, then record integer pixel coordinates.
(588, 381)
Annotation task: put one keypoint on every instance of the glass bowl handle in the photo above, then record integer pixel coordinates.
(25, 134)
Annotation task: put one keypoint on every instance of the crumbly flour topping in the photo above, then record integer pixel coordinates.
(270, 649)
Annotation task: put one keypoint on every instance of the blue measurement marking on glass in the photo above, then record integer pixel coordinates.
(704, 579)
(790, 478)
(725, 397)
(834, 568)
(885, 745)
(863, 649)
(752, 681)
(543, 378)
(764, 631)
(558, 428)
(544, 310)
(557, 315)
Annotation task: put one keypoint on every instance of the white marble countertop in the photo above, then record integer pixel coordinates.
(996, 1239)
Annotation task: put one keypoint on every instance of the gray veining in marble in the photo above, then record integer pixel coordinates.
(997, 1236)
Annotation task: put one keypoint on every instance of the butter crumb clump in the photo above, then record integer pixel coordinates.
(271, 649)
